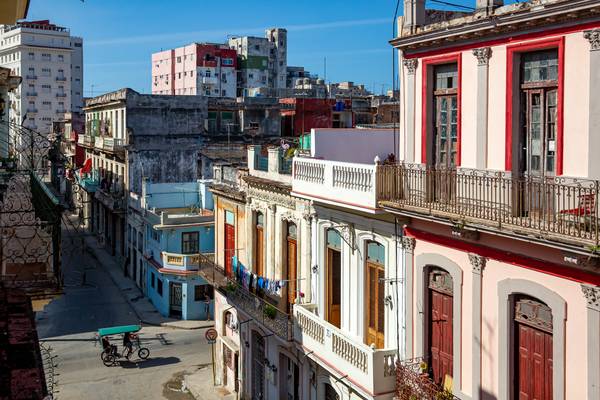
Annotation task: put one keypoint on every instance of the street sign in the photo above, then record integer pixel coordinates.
(211, 335)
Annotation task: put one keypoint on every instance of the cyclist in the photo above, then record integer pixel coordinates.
(127, 344)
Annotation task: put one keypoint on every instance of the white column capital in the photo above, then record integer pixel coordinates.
(408, 243)
(411, 65)
(593, 36)
(592, 296)
(477, 262)
(483, 55)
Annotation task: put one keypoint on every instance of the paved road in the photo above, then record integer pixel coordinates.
(68, 325)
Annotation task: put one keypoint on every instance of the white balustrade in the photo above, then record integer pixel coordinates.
(373, 369)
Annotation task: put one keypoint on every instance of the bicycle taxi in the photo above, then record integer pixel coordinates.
(128, 334)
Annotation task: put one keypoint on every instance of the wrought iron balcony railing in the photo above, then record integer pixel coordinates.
(244, 300)
(413, 382)
(556, 208)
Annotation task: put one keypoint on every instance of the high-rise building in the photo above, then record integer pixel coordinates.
(204, 69)
(262, 60)
(50, 61)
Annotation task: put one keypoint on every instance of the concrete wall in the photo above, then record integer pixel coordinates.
(352, 145)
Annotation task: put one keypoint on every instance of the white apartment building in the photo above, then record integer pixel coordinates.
(50, 61)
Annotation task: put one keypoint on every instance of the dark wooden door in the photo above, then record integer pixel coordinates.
(446, 131)
(441, 339)
(334, 290)
(534, 366)
(375, 305)
(175, 299)
(229, 248)
(291, 269)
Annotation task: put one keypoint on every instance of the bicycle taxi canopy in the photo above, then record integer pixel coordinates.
(116, 330)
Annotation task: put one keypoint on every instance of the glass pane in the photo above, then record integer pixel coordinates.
(291, 230)
(539, 66)
(375, 252)
(372, 294)
(334, 239)
(260, 219)
(443, 132)
(380, 303)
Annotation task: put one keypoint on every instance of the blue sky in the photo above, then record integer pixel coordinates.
(120, 35)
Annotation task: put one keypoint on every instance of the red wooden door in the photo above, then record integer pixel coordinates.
(441, 339)
(534, 366)
(229, 248)
(291, 269)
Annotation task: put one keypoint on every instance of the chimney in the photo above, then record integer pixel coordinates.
(414, 13)
(488, 5)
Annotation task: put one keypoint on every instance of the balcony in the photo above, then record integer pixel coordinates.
(254, 307)
(32, 111)
(335, 182)
(372, 369)
(209, 80)
(181, 262)
(555, 208)
(86, 140)
(61, 79)
(89, 182)
(114, 200)
(109, 144)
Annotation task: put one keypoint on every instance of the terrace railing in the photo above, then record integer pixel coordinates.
(555, 207)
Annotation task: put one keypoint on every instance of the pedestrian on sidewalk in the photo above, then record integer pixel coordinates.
(207, 306)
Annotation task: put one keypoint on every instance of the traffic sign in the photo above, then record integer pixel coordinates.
(211, 335)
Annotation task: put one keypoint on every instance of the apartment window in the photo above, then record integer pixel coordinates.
(178, 59)
(61, 58)
(45, 71)
(159, 288)
(256, 47)
(207, 92)
(207, 73)
(31, 71)
(201, 291)
(228, 61)
(61, 72)
(46, 57)
(155, 235)
(445, 116)
(31, 56)
(77, 45)
(223, 93)
(46, 105)
(190, 242)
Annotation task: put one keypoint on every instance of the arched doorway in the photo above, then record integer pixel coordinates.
(375, 294)
(532, 351)
(440, 324)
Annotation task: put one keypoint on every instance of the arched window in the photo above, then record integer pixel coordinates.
(375, 294)
(440, 316)
(333, 277)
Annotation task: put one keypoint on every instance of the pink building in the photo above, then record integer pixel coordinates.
(204, 69)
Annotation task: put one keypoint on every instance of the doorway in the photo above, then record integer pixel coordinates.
(440, 325)
(333, 277)
(258, 366)
(229, 248)
(175, 298)
(375, 295)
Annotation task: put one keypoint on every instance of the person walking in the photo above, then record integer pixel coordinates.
(207, 306)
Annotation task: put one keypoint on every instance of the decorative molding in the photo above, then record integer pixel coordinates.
(272, 197)
(483, 55)
(593, 36)
(272, 207)
(309, 216)
(411, 65)
(478, 263)
(408, 243)
(592, 295)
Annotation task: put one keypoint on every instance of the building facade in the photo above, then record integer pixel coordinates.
(262, 60)
(499, 182)
(202, 69)
(179, 227)
(51, 63)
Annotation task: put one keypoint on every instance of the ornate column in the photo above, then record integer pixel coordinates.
(408, 244)
(593, 37)
(410, 89)
(592, 295)
(270, 239)
(306, 259)
(478, 264)
(483, 57)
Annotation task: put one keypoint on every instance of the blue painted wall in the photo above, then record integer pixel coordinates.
(182, 194)
(191, 309)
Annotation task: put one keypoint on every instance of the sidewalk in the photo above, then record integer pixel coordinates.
(200, 385)
(141, 305)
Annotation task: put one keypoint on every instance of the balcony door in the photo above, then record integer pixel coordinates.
(533, 350)
(258, 366)
(440, 325)
(291, 262)
(229, 242)
(445, 133)
(375, 295)
(333, 277)
(259, 245)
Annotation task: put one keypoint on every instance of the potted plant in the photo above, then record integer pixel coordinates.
(270, 311)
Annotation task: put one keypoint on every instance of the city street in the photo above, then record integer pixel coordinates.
(69, 323)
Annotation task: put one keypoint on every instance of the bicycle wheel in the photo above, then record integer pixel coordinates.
(109, 360)
(143, 353)
(103, 355)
